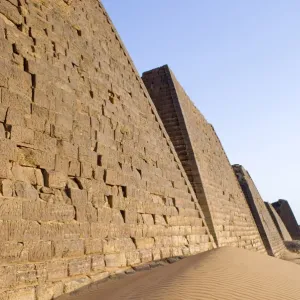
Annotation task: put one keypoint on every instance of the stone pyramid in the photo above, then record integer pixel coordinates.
(285, 235)
(286, 214)
(205, 162)
(265, 224)
(90, 182)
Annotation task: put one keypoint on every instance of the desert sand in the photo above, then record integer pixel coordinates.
(221, 274)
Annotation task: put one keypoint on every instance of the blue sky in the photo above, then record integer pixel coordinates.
(239, 61)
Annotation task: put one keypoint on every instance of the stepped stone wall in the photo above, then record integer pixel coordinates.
(90, 182)
(286, 214)
(205, 162)
(285, 235)
(263, 219)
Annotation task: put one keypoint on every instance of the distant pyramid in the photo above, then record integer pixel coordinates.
(285, 235)
(286, 214)
(205, 162)
(266, 226)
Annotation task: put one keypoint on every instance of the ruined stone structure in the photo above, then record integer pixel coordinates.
(265, 224)
(286, 214)
(205, 162)
(90, 181)
(285, 235)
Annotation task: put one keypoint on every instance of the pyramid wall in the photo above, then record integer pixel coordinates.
(285, 235)
(286, 214)
(206, 164)
(263, 219)
(90, 182)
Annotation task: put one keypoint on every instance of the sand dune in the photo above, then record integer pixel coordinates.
(220, 274)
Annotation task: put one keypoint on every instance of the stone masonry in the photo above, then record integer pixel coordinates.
(267, 228)
(205, 162)
(286, 214)
(285, 235)
(90, 181)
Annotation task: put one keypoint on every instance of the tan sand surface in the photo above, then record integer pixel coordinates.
(220, 274)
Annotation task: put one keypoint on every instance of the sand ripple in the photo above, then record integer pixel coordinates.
(220, 274)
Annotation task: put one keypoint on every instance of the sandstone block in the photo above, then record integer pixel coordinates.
(63, 121)
(6, 188)
(86, 155)
(11, 252)
(57, 270)
(26, 274)
(32, 210)
(45, 142)
(145, 255)
(156, 254)
(75, 230)
(23, 230)
(61, 164)
(21, 134)
(10, 209)
(159, 220)
(49, 291)
(99, 230)
(148, 219)
(52, 231)
(33, 158)
(10, 12)
(130, 217)
(4, 230)
(74, 168)
(86, 170)
(76, 284)
(79, 266)
(4, 168)
(25, 190)
(114, 178)
(165, 252)
(144, 243)
(68, 248)
(2, 131)
(57, 212)
(118, 245)
(94, 246)
(66, 149)
(115, 260)
(17, 117)
(3, 112)
(55, 179)
(133, 258)
(7, 276)
(79, 197)
(22, 294)
(98, 263)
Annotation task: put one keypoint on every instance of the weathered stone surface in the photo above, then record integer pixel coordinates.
(206, 165)
(88, 175)
(76, 284)
(55, 179)
(267, 229)
(49, 291)
(115, 260)
(80, 266)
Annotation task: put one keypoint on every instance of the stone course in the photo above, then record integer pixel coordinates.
(286, 214)
(205, 162)
(90, 182)
(268, 231)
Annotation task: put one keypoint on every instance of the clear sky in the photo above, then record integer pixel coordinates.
(239, 61)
